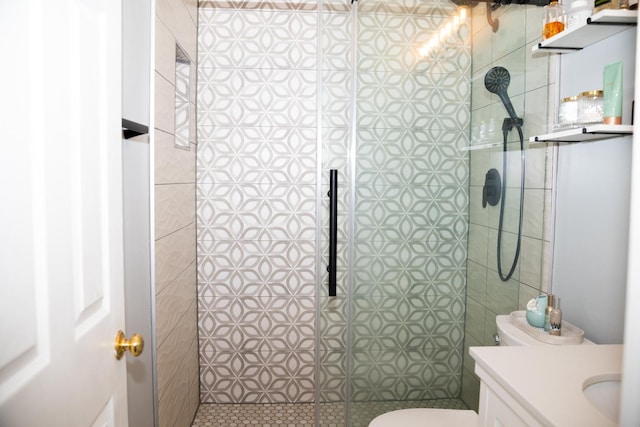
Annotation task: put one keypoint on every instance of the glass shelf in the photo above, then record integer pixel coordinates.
(598, 27)
(487, 146)
(584, 134)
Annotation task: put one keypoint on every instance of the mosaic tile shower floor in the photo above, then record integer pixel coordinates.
(303, 414)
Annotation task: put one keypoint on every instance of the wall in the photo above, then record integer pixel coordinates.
(136, 62)
(137, 275)
(531, 90)
(136, 153)
(630, 410)
(590, 253)
(257, 92)
(175, 232)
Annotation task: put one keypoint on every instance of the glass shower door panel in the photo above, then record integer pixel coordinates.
(410, 211)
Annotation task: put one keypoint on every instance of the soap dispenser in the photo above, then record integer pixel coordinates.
(555, 318)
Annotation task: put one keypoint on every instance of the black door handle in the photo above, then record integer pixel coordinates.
(333, 230)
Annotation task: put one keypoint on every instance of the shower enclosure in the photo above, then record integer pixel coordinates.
(287, 91)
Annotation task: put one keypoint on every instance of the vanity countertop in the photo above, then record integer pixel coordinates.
(548, 381)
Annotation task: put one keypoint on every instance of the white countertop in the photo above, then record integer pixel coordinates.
(549, 380)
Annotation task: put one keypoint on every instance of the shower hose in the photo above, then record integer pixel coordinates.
(507, 125)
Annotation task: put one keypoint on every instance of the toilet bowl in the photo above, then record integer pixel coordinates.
(423, 417)
(508, 335)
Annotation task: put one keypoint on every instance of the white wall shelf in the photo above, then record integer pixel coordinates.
(583, 134)
(598, 27)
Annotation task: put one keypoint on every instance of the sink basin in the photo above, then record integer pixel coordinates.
(604, 394)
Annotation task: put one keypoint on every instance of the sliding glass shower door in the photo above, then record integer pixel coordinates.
(393, 124)
(288, 91)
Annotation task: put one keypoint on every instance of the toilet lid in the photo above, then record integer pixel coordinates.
(426, 417)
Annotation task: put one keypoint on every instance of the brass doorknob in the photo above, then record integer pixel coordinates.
(135, 345)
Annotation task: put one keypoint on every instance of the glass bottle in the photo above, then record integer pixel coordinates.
(555, 318)
(553, 22)
(547, 312)
(590, 106)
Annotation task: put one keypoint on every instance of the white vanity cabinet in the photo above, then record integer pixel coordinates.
(498, 408)
(543, 385)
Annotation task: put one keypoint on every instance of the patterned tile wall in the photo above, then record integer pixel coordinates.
(257, 125)
(256, 201)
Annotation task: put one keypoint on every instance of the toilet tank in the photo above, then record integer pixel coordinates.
(511, 335)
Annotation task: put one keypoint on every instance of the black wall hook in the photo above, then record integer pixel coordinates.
(131, 129)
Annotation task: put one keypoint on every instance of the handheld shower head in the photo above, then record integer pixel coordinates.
(497, 81)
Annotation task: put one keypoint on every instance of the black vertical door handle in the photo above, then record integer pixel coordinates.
(333, 230)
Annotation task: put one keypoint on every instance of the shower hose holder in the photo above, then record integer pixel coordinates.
(509, 123)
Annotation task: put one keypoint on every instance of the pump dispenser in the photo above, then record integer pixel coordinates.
(555, 318)
(547, 312)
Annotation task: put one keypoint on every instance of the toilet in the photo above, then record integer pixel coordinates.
(423, 417)
(508, 335)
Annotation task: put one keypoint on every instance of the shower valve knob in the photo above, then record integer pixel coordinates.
(492, 188)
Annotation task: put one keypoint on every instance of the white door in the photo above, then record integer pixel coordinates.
(61, 291)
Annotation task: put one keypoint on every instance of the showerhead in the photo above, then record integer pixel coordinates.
(497, 81)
